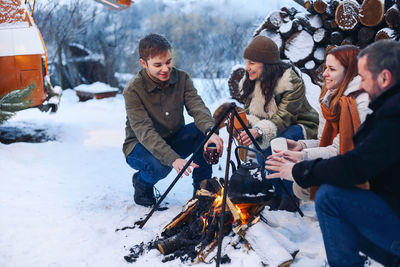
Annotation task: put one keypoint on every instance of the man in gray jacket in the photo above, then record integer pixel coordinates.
(157, 138)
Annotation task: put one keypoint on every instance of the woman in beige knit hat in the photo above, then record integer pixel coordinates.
(276, 105)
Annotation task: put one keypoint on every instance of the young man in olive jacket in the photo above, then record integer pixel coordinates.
(354, 219)
(157, 138)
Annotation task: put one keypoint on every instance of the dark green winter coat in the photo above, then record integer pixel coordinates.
(155, 113)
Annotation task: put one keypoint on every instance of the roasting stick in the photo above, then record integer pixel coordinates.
(228, 159)
(214, 129)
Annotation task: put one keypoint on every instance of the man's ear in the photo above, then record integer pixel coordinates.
(385, 78)
(143, 63)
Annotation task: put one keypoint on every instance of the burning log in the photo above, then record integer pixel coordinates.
(182, 217)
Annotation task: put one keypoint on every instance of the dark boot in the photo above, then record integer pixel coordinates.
(143, 193)
(288, 205)
(274, 202)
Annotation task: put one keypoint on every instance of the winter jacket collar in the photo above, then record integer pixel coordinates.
(353, 86)
(380, 100)
(151, 85)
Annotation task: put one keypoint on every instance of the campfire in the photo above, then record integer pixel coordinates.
(213, 213)
(193, 234)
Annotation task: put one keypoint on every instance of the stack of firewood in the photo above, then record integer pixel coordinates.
(304, 36)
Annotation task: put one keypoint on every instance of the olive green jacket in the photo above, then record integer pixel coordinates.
(155, 113)
(289, 106)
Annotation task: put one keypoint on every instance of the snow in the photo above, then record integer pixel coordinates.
(319, 53)
(61, 201)
(309, 65)
(299, 47)
(95, 88)
(315, 21)
(20, 41)
(286, 27)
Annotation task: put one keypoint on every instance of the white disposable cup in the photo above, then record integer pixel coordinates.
(278, 143)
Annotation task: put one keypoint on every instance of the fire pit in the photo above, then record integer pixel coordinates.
(192, 235)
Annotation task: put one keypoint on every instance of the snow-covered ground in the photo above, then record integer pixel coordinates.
(61, 201)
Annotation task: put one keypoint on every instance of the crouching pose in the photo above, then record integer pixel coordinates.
(353, 219)
(344, 107)
(157, 138)
(276, 105)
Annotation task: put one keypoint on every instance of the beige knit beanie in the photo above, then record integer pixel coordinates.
(262, 49)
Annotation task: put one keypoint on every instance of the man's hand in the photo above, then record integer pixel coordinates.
(293, 156)
(282, 167)
(215, 139)
(179, 163)
(294, 145)
(245, 139)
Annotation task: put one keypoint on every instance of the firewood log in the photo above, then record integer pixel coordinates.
(271, 252)
(365, 36)
(385, 33)
(307, 4)
(299, 47)
(288, 28)
(319, 54)
(336, 38)
(274, 20)
(236, 76)
(320, 36)
(310, 65)
(329, 24)
(346, 15)
(371, 12)
(392, 17)
(319, 6)
(290, 11)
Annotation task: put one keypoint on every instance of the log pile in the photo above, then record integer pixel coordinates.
(303, 36)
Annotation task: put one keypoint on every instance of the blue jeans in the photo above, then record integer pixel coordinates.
(184, 143)
(354, 220)
(294, 132)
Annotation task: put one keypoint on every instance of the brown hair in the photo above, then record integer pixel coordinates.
(347, 56)
(153, 45)
(269, 77)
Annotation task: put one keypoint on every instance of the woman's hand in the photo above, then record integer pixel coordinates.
(282, 167)
(293, 156)
(294, 145)
(245, 139)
